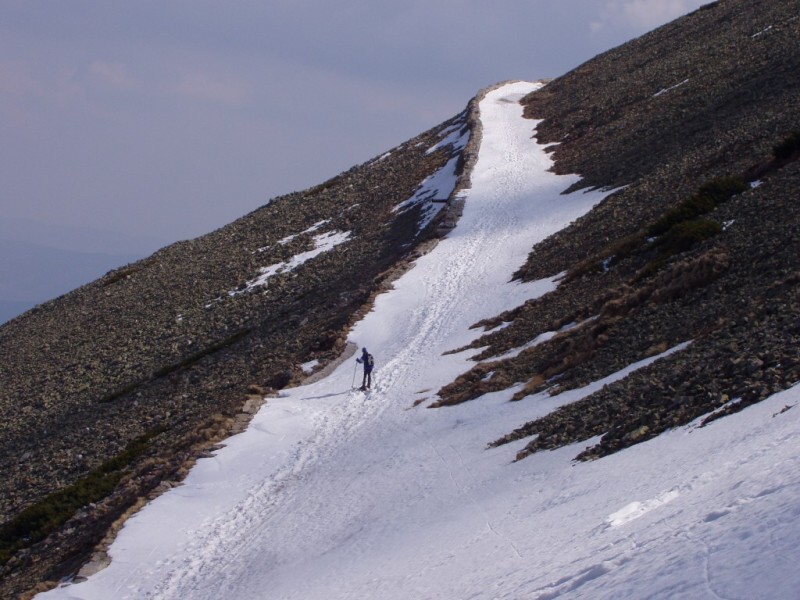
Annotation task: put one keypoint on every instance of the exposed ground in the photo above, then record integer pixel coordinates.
(671, 118)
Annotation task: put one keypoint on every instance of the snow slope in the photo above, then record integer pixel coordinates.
(336, 494)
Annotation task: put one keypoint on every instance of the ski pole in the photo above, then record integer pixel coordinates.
(355, 368)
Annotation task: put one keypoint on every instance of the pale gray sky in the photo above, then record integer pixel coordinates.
(168, 119)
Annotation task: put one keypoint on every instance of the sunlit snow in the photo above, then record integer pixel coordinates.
(334, 494)
(456, 136)
(433, 191)
(670, 88)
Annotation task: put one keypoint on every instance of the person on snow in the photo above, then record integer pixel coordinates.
(366, 360)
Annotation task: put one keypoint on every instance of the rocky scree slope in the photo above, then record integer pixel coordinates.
(697, 122)
(114, 388)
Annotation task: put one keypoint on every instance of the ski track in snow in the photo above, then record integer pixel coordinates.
(465, 263)
(337, 494)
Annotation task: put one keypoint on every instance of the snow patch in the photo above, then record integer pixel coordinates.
(434, 192)
(457, 137)
(289, 238)
(322, 243)
(311, 229)
(669, 89)
(309, 366)
(762, 32)
(543, 337)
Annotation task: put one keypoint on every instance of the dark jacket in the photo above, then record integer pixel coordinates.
(366, 360)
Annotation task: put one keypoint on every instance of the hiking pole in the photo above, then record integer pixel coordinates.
(355, 368)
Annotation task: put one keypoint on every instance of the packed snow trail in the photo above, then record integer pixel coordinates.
(337, 494)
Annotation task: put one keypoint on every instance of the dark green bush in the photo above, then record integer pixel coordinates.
(788, 147)
(710, 195)
(625, 247)
(688, 209)
(723, 188)
(683, 236)
(39, 520)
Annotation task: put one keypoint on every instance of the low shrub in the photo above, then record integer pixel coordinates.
(125, 272)
(710, 195)
(687, 234)
(723, 188)
(39, 520)
(611, 255)
(681, 237)
(788, 147)
(688, 209)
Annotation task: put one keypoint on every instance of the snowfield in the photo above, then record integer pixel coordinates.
(334, 494)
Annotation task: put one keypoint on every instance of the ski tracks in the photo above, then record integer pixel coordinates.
(287, 515)
(217, 548)
(219, 552)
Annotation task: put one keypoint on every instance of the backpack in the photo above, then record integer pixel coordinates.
(370, 363)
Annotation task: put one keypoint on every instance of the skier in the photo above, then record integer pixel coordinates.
(366, 360)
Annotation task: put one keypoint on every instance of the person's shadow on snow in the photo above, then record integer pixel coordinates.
(327, 395)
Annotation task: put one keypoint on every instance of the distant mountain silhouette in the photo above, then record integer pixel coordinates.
(32, 273)
(77, 238)
(11, 308)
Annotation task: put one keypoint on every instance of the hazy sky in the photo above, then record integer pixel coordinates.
(170, 118)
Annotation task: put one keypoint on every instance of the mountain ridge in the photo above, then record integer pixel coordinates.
(34, 272)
